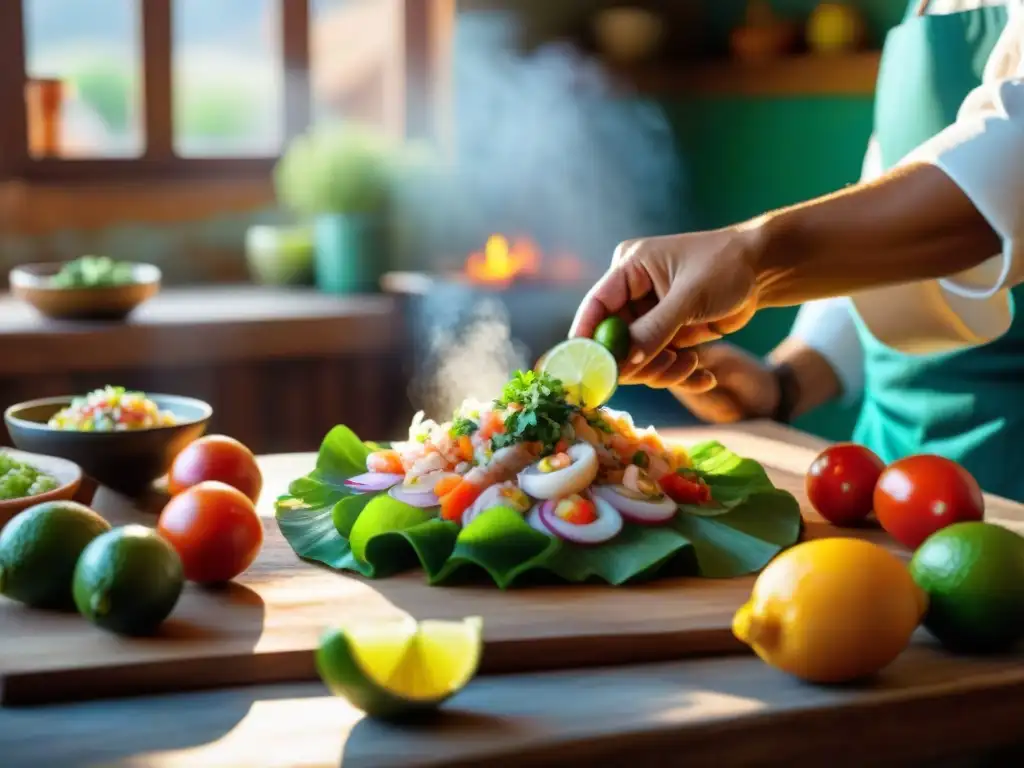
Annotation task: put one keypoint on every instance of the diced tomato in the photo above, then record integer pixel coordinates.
(385, 461)
(459, 499)
(445, 485)
(576, 510)
(491, 425)
(685, 488)
(561, 446)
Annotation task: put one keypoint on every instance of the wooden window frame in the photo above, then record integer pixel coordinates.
(425, 47)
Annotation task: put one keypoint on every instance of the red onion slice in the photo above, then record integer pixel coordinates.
(534, 521)
(414, 498)
(606, 527)
(373, 481)
(639, 511)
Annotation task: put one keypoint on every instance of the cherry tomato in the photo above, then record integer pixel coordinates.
(216, 457)
(919, 495)
(841, 483)
(685, 488)
(215, 530)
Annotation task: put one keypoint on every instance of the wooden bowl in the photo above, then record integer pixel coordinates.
(32, 283)
(67, 474)
(128, 461)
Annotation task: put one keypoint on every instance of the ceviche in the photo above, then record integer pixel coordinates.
(576, 474)
(111, 409)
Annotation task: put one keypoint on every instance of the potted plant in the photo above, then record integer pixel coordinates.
(341, 179)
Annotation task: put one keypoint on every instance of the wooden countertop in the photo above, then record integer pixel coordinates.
(732, 711)
(197, 326)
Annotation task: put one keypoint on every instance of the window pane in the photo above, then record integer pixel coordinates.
(83, 59)
(356, 61)
(228, 78)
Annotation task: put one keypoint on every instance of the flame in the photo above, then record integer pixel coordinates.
(501, 262)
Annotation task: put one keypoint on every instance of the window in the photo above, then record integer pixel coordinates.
(83, 93)
(228, 78)
(187, 88)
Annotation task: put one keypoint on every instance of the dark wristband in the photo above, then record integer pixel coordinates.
(789, 393)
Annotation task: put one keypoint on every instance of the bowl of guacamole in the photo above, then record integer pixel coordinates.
(27, 479)
(87, 288)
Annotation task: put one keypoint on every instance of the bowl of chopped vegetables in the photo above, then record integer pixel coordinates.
(123, 439)
(88, 288)
(27, 479)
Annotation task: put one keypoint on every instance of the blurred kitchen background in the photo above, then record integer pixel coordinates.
(362, 207)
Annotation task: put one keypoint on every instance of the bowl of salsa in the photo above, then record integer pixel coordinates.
(124, 439)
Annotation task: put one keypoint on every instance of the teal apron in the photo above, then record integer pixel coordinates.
(964, 405)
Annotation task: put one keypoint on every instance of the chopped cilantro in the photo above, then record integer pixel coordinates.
(595, 420)
(537, 410)
(463, 427)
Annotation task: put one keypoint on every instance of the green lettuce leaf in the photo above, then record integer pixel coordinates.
(750, 523)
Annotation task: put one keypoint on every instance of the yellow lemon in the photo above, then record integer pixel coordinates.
(831, 610)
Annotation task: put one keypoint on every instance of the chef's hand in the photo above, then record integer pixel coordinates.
(676, 292)
(747, 388)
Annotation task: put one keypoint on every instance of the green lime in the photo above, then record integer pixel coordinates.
(613, 334)
(974, 576)
(39, 548)
(587, 370)
(128, 580)
(396, 668)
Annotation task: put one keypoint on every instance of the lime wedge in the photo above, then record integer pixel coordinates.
(587, 370)
(395, 669)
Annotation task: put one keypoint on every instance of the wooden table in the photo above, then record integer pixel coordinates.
(732, 711)
(239, 347)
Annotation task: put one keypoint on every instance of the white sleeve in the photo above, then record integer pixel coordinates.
(983, 153)
(827, 327)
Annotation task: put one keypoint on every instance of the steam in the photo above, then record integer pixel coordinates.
(544, 148)
(469, 362)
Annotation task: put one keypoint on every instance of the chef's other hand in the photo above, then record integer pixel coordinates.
(675, 292)
(747, 387)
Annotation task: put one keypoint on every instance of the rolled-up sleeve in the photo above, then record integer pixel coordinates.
(827, 326)
(983, 153)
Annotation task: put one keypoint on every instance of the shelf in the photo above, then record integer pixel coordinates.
(793, 76)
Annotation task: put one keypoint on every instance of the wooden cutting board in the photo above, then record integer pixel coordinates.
(265, 627)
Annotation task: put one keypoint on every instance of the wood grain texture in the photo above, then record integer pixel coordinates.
(730, 711)
(265, 627)
(234, 323)
(719, 713)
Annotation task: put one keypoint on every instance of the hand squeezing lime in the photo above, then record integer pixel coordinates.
(613, 333)
(393, 669)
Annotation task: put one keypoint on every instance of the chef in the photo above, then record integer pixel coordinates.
(908, 279)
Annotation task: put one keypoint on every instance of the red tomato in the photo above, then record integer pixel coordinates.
(685, 489)
(215, 530)
(841, 482)
(919, 495)
(216, 457)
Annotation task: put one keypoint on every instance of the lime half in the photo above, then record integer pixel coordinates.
(393, 669)
(587, 370)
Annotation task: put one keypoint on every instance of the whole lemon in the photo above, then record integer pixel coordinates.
(831, 610)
